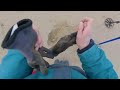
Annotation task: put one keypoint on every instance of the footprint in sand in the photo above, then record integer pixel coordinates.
(59, 30)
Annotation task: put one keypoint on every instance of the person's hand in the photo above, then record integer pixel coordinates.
(84, 33)
(39, 42)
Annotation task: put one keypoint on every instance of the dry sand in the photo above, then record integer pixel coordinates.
(54, 24)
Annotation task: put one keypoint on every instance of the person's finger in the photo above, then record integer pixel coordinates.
(85, 22)
(36, 45)
(37, 32)
(85, 19)
(39, 39)
(39, 42)
(89, 23)
(84, 25)
(36, 48)
(80, 29)
(88, 26)
(41, 45)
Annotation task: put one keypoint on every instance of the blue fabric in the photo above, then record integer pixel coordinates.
(86, 48)
(14, 66)
(96, 65)
(94, 62)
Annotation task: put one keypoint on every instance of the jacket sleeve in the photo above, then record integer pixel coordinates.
(95, 63)
(14, 66)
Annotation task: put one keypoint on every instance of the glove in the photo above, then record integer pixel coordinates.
(22, 37)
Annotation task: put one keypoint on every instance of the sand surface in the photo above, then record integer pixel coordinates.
(54, 24)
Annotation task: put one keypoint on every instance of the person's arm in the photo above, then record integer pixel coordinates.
(14, 66)
(95, 63)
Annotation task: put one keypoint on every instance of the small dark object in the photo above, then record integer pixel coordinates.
(110, 23)
(46, 52)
